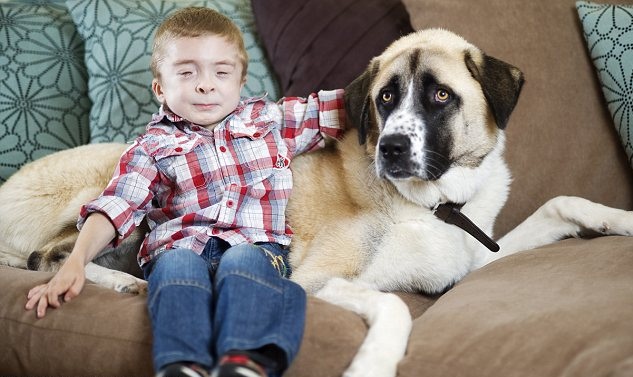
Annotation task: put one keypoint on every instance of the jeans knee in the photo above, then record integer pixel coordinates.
(245, 257)
(253, 261)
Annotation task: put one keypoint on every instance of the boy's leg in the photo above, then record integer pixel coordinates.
(180, 302)
(257, 307)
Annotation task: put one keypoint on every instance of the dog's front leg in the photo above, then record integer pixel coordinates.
(117, 280)
(564, 217)
(389, 324)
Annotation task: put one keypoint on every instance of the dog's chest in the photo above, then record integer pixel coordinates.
(414, 250)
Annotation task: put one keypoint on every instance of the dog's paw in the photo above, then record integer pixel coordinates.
(621, 224)
(136, 286)
(117, 280)
(591, 218)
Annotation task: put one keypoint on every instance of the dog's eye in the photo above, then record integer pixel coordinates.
(386, 97)
(442, 95)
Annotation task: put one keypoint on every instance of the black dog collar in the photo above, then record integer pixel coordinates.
(450, 213)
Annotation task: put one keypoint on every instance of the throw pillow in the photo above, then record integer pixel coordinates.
(608, 30)
(43, 83)
(119, 36)
(325, 44)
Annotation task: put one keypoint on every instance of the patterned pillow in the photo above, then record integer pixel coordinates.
(43, 83)
(119, 35)
(608, 30)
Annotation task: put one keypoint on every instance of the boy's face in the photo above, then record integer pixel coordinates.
(200, 79)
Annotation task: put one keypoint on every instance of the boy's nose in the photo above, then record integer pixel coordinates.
(204, 87)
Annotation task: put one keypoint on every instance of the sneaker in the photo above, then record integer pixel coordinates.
(182, 370)
(238, 365)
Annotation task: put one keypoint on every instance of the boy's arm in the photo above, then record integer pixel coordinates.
(129, 194)
(68, 282)
(307, 120)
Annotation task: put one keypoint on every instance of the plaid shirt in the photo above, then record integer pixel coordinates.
(232, 182)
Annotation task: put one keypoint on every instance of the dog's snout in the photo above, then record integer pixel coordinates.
(394, 147)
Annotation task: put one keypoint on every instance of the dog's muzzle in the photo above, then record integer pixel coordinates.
(394, 156)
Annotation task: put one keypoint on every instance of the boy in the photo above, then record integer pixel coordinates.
(211, 177)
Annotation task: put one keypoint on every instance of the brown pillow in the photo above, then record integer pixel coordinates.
(325, 44)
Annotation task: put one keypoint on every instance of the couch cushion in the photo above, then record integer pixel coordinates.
(325, 44)
(561, 310)
(100, 333)
(608, 31)
(105, 333)
(119, 37)
(43, 83)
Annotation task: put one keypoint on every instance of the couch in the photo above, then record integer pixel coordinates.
(560, 310)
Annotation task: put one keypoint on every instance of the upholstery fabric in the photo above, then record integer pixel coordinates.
(105, 333)
(119, 36)
(553, 311)
(325, 44)
(43, 83)
(545, 312)
(608, 30)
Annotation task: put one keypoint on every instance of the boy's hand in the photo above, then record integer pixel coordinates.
(63, 287)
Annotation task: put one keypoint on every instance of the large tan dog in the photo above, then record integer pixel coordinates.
(369, 213)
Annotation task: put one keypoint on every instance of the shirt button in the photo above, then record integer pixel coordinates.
(229, 203)
(257, 134)
(178, 149)
(223, 149)
(215, 231)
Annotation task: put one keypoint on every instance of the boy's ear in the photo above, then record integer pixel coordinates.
(158, 91)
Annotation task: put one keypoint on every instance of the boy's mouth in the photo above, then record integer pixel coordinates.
(205, 106)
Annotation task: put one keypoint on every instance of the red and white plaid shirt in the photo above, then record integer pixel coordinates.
(232, 182)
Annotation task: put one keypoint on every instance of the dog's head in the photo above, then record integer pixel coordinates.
(430, 102)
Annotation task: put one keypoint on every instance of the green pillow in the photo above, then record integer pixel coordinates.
(119, 36)
(43, 83)
(608, 30)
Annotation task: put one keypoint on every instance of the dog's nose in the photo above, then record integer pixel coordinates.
(394, 147)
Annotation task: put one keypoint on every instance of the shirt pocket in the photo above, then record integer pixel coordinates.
(180, 161)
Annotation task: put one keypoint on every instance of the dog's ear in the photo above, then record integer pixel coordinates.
(358, 101)
(501, 84)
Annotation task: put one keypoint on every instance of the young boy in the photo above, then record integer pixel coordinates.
(211, 177)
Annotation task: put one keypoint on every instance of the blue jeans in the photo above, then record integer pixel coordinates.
(227, 298)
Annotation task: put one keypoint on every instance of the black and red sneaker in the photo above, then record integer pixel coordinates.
(238, 365)
(182, 370)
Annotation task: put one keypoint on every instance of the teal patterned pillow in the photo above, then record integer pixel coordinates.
(119, 35)
(608, 30)
(43, 83)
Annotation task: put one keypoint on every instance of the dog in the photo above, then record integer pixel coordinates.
(405, 201)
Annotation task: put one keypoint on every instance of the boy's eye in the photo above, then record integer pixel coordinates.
(185, 73)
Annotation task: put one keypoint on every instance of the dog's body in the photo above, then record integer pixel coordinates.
(429, 114)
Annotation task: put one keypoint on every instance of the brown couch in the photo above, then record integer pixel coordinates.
(560, 310)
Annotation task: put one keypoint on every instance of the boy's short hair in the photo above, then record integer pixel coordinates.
(192, 22)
